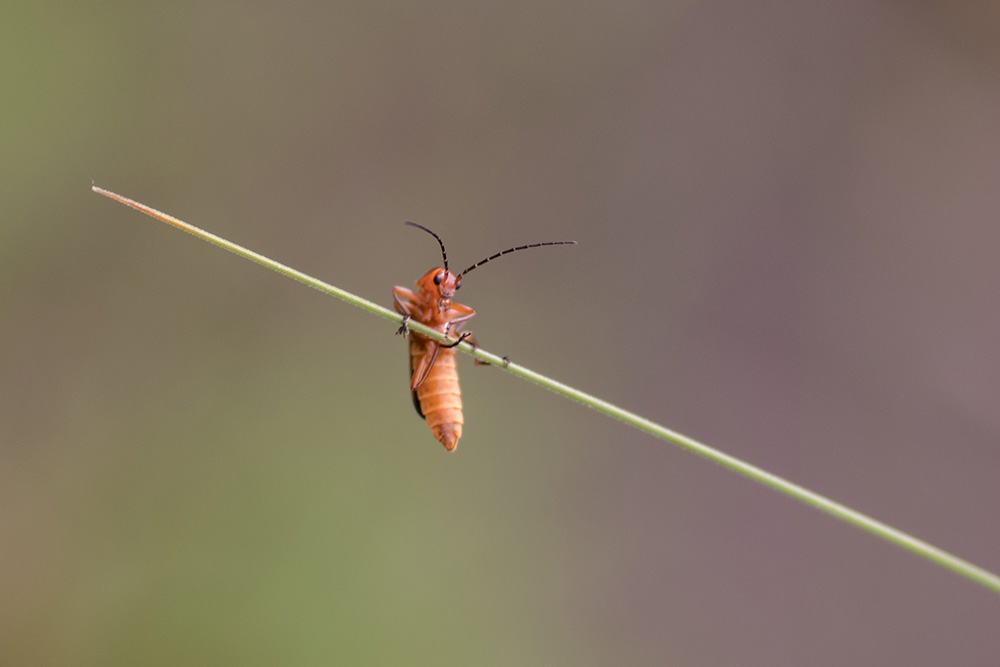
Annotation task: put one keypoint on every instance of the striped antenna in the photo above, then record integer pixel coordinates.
(444, 253)
(509, 250)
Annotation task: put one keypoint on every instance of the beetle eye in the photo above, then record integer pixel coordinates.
(437, 278)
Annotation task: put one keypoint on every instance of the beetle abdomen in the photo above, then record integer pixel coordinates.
(440, 400)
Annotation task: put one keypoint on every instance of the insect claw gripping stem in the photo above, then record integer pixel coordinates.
(403, 329)
(506, 363)
(460, 339)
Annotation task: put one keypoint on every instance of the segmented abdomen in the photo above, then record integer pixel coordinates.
(440, 399)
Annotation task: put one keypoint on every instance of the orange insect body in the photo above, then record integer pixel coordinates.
(433, 373)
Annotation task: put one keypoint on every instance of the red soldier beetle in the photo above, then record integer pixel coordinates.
(433, 373)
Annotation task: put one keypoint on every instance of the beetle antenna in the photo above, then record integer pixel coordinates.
(444, 253)
(509, 250)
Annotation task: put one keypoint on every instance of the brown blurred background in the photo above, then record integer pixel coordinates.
(787, 216)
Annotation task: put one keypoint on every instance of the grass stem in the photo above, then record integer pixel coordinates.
(899, 538)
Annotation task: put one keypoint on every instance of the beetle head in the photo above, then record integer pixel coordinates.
(442, 283)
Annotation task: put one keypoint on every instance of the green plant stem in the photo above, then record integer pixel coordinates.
(943, 558)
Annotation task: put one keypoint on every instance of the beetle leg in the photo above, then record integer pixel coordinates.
(402, 301)
(403, 329)
(400, 293)
(461, 338)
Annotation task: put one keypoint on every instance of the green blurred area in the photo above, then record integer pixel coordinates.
(787, 227)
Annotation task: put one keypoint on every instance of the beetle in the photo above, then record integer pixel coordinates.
(433, 374)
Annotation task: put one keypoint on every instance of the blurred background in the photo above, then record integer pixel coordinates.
(788, 241)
